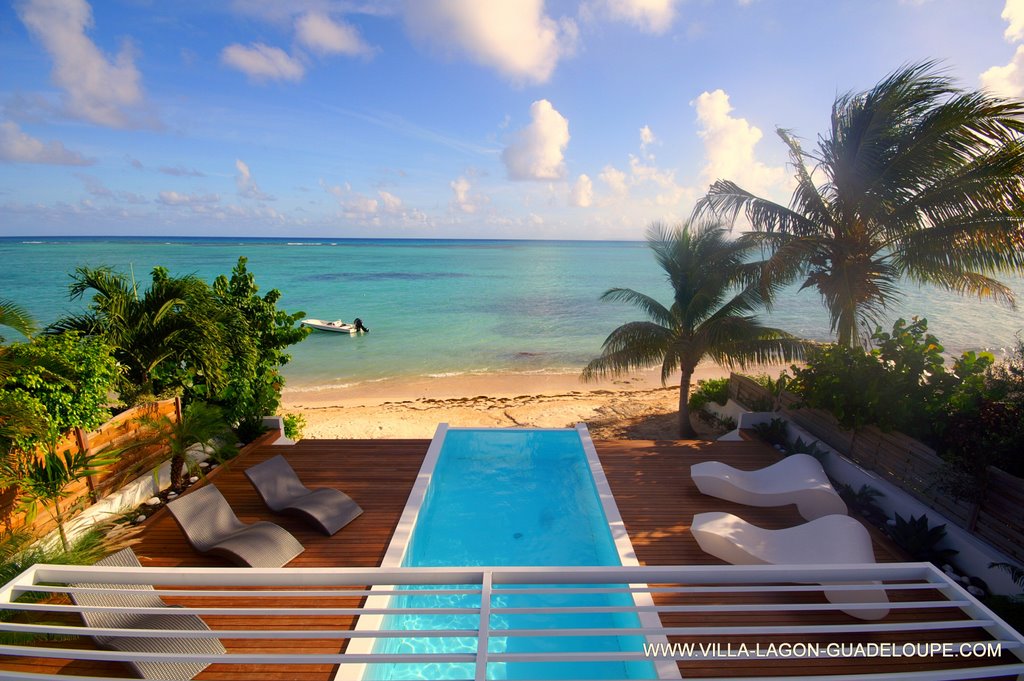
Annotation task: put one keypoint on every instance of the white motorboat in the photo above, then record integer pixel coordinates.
(336, 326)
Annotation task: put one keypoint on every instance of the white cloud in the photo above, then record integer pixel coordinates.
(671, 193)
(390, 202)
(197, 202)
(653, 16)
(536, 152)
(180, 171)
(20, 147)
(646, 137)
(582, 193)
(323, 35)
(360, 206)
(262, 62)
(516, 38)
(615, 179)
(1013, 13)
(246, 185)
(98, 89)
(462, 201)
(729, 147)
(1006, 81)
(95, 186)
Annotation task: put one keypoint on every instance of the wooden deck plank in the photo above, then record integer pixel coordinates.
(651, 485)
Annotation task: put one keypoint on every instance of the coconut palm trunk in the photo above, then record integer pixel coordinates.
(686, 430)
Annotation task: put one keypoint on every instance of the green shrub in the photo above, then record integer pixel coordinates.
(801, 447)
(775, 432)
(256, 338)
(863, 501)
(919, 540)
(984, 426)
(709, 390)
(902, 384)
(294, 424)
(65, 381)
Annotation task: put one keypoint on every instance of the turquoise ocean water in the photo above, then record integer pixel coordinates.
(441, 307)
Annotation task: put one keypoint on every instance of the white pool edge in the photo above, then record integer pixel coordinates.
(393, 557)
(665, 669)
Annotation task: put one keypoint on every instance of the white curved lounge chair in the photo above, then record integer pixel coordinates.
(798, 479)
(828, 540)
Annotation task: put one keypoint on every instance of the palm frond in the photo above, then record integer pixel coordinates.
(16, 317)
(635, 345)
(727, 200)
(654, 310)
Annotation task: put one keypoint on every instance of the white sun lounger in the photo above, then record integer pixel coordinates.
(798, 479)
(828, 540)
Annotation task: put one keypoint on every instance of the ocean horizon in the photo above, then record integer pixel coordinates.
(447, 307)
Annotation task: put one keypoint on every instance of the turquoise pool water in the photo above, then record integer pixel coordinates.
(511, 497)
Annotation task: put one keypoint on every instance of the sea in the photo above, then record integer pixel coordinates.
(438, 308)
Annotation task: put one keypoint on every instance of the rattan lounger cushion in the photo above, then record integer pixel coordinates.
(325, 508)
(211, 526)
(123, 615)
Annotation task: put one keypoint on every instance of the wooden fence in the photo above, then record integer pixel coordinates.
(914, 467)
(119, 432)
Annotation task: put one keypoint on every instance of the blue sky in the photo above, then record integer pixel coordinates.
(583, 119)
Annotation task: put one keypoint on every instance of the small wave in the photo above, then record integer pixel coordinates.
(448, 374)
(320, 388)
(551, 371)
(33, 242)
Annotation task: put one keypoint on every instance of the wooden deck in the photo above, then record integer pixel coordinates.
(651, 484)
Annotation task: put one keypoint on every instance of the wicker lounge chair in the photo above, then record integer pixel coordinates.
(211, 526)
(325, 508)
(122, 615)
(828, 540)
(798, 479)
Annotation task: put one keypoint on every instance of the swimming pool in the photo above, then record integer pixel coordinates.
(510, 498)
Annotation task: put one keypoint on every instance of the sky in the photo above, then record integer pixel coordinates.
(565, 119)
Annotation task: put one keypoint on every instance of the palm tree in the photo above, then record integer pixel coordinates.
(158, 335)
(200, 424)
(710, 315)
(916, 179)
(45, 480)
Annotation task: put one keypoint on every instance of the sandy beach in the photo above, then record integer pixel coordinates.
(630, 407)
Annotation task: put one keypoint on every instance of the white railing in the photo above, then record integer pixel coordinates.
(955, 630)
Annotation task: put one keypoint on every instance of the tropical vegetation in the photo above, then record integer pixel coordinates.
(16, 420)
(200, 424)
(970, 411)
(256, 349)
(712, 313)
(46, 480)
(219, 348)
(915, 179)
(223, 344)
(164, 337)
(62, 382)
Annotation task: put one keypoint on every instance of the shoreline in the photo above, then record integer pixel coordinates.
(636, 406)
